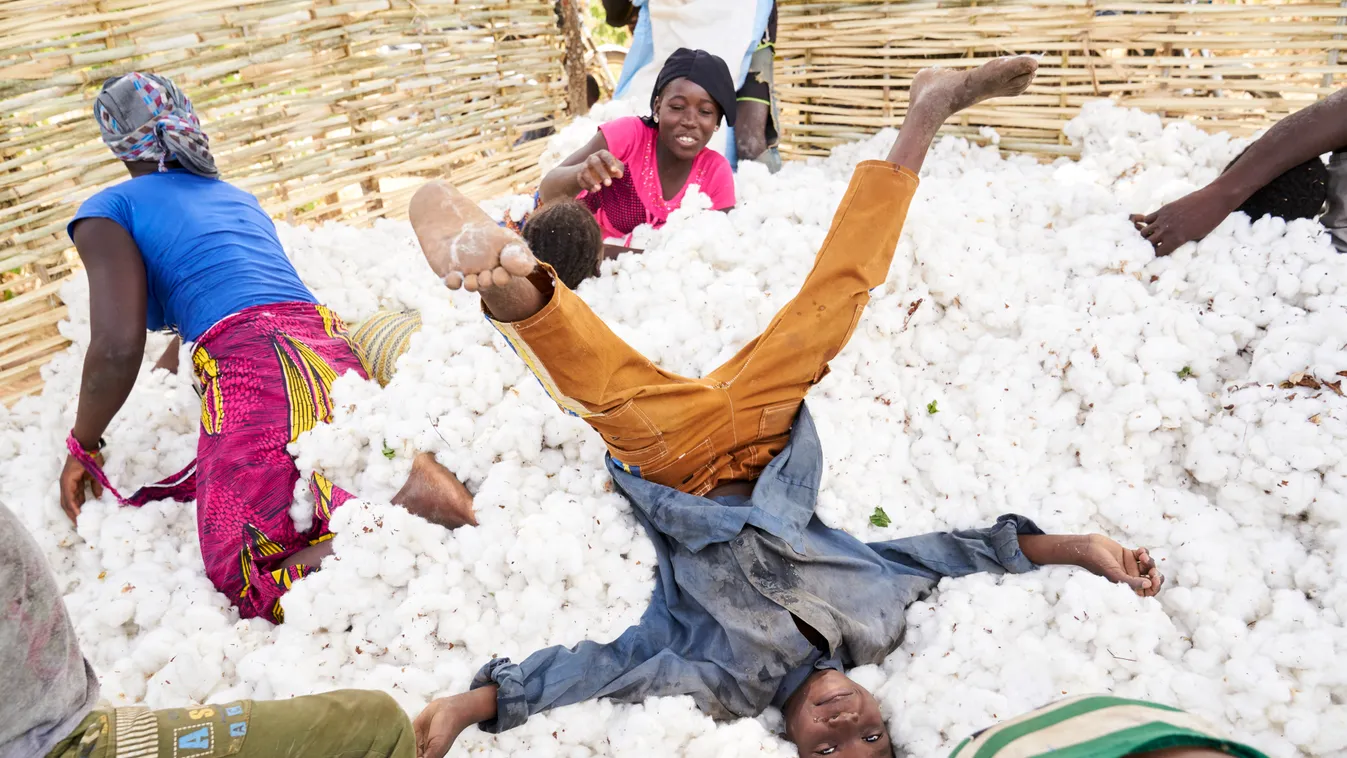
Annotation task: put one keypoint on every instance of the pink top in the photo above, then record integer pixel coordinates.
(637, 197)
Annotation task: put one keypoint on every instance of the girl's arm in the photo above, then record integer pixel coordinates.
(591, 168)
(611, 252)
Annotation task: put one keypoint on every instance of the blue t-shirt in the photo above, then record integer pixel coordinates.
(209, 249)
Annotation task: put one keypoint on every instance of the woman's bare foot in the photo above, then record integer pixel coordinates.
(947, 91)
(462, 243)
(436, 495)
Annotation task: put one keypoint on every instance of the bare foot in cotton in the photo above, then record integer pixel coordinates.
(948, 91)
(436, 495)
(462, 244)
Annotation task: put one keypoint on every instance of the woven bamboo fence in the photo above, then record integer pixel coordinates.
(844, 67)
(324, 109)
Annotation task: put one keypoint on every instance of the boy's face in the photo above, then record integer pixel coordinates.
(832, 715)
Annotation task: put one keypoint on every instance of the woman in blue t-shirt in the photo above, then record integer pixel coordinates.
(177, 248)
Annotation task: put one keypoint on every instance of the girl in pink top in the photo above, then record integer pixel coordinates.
(637, 170)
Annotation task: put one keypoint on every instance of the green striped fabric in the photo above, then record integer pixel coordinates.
(383, 338)
(1097, 726)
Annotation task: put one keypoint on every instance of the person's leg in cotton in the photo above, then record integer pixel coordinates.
(1335, 215)
(770, 375)
(587, 370)
(340, 724)
(693, 434)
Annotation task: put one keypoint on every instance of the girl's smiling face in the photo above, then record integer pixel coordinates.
(687, 118)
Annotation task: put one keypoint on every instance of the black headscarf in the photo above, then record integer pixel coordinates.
(702, 69)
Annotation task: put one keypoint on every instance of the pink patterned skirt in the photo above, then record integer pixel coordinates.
(265, 375)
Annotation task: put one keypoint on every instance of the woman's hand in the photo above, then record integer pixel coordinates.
(73, 480)
(598, 171)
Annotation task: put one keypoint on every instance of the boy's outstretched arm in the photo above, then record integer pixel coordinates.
(1305, 134)
(1097, 554)
(1014, 544)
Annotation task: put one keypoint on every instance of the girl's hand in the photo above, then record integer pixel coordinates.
(598, 171)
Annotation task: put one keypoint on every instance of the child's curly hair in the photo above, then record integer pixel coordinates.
(565, 235)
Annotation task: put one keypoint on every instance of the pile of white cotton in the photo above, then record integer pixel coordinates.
(1027, 354)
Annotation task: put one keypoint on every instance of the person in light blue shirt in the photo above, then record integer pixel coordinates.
(177, 248)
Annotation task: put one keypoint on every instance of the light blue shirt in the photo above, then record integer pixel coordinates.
(731, 573)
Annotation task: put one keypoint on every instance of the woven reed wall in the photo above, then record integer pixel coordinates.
(311, 104)
(844, 68)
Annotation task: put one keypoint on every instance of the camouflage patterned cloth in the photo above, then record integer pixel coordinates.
(345, 722)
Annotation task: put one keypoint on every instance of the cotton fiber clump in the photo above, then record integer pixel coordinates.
(1028, 353)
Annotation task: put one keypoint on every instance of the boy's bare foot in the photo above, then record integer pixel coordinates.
(462, 243)
(938, 93)
(948, 91)
(436, 495)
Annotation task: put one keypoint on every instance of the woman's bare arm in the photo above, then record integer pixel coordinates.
(117, 302)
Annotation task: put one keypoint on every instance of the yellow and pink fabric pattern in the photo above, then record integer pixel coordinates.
(266, 377)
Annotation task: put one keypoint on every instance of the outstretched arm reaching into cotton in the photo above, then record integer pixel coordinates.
(1303, 135)
(591, 168)
(117, 303)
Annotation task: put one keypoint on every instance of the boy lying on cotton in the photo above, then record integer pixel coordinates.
(756, 602)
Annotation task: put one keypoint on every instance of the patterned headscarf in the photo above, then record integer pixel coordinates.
(145, 117)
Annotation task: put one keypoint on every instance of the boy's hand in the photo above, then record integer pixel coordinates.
(437, 727)
(443, 720)
(1135, 568)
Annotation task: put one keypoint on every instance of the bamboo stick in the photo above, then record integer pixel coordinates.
(302, 100)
